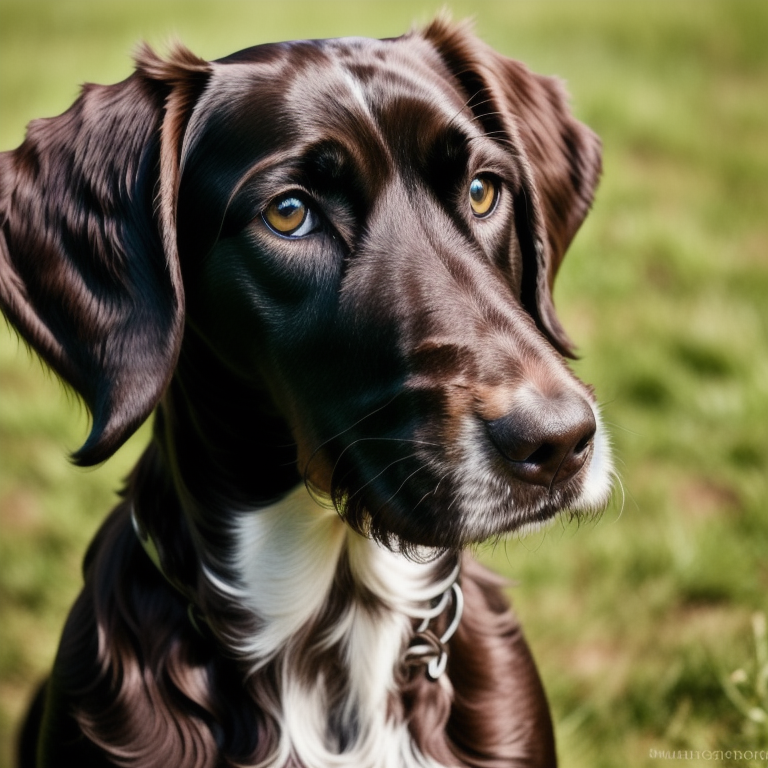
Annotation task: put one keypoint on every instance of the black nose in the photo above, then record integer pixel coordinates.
(546, 441)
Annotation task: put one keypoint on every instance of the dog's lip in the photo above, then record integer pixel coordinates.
(517, 520)
(523, 519)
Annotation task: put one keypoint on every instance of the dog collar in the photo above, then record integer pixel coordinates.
(428, 647)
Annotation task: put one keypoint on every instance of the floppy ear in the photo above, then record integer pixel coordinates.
(89, 273)
(559, 158)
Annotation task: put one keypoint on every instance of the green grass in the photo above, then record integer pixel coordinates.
(646, 624)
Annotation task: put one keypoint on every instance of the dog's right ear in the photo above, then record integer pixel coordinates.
(89, 271)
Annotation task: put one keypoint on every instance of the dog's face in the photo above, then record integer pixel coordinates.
(370, 240)
(368, 231)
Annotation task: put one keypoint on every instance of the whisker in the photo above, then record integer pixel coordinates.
(468, 101)
(379, 439)
(356, 423)
(616, 425)
(430, 493)
(389, 466)
(623, 497)
(400, 488)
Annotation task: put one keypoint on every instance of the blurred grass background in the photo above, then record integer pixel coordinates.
(646, 624)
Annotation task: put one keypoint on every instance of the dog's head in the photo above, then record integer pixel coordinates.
(362, 233)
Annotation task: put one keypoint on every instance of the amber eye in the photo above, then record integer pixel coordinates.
(288, 216)
(482, 195)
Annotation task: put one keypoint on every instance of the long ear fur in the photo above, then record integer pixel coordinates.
(89, 273)
(560, 158)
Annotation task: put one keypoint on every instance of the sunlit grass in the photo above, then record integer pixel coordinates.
(747, 687)
(637, 620)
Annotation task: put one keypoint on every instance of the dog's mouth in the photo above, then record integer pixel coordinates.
(490, 479)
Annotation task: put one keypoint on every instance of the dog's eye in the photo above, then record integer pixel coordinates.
(289, 216)
(482, 195)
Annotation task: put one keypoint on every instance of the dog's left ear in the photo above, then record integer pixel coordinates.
(89, 271)
(559, 158)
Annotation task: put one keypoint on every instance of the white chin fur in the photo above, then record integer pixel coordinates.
(597, 487)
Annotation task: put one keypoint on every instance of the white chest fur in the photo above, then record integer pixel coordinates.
(287, 560)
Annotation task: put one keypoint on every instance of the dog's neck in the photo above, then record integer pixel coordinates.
(293, 558)
(333, 621)
(220, 438)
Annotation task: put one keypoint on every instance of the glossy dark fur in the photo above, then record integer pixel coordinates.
(381, 359)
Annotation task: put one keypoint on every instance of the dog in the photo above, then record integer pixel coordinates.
(326, 267)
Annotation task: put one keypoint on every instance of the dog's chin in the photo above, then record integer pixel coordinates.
(521, 521)
(444, 524)
(466, 507)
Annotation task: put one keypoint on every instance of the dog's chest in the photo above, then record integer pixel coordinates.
(335, 613)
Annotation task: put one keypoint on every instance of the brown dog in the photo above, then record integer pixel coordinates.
(326, 266)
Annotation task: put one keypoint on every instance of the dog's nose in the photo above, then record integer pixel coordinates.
(545, 442)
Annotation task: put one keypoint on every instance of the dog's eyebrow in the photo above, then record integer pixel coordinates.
(327, 161)
(335, 167)
(453, 152)
(451, 145)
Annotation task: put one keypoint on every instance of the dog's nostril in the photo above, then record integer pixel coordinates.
(547, 441)
(541, 455)
(584, 443)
